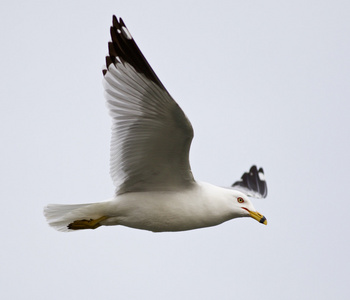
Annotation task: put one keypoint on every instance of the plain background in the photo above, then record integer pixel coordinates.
(263, 82)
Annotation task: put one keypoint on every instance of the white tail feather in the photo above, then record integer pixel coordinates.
(59, 216)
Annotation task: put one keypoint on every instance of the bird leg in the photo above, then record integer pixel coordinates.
(86, 224)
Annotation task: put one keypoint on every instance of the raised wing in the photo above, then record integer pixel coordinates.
(252, 183)
(151, 136)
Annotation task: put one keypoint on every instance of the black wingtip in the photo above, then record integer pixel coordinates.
(112, 51)
(122, 22)
(115, 21)
(254, 181)
(123, 48)
(108, 61)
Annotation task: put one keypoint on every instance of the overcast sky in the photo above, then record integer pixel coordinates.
(263, 82)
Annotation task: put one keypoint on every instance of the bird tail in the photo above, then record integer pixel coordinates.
(60, 216)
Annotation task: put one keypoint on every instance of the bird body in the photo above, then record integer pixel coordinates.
(149, 163)
(201, 205)
(198, 206)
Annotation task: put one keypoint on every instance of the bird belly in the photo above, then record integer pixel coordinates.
(163, 211)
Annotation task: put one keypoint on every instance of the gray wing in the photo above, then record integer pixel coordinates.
(151, 136)
(252, 183)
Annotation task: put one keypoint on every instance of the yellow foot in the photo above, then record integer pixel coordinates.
(86, 224)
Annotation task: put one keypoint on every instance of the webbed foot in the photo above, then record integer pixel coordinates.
(86, 224)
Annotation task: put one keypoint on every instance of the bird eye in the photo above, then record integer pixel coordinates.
(240, 200)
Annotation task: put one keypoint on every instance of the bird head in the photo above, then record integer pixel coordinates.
(244, 207)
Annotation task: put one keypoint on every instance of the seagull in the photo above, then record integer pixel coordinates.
(149, 158)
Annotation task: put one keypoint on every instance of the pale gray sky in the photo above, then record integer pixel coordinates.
(263, 82)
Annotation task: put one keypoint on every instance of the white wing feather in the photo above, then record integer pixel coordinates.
(151, 135)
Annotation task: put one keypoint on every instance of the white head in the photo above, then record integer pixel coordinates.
(243, 207)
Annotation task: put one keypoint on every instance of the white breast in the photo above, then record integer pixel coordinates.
(202, 205)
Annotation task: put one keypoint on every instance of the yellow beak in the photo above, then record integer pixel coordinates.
(257, 216)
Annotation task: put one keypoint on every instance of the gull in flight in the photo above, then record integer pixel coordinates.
(149, 162)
